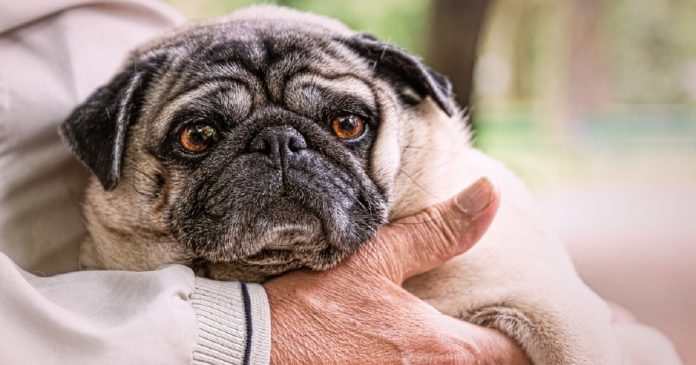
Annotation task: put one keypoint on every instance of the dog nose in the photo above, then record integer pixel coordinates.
(278, 143)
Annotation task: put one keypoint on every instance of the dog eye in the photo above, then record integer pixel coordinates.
(198, 137)
(348, 127)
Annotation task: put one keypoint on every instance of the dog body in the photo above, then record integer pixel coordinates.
(232, 146)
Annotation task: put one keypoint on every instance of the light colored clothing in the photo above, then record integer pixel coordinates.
(53, 54)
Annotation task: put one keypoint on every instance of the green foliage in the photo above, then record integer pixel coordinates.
(401, 22)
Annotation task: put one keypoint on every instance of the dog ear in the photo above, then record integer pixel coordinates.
(97, 129)
(392, 61)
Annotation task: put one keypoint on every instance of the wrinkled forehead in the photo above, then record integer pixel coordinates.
(241, 66)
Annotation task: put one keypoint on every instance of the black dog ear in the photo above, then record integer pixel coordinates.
(97, 129)
(394, 61)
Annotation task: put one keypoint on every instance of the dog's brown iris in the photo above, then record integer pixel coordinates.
(348, 127)
(198, 137)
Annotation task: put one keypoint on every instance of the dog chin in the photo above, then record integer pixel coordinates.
(279, 237)
(282, 225)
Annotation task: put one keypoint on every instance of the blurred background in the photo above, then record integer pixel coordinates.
(593, 103)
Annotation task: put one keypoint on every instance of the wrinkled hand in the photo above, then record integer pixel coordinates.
(357, 312)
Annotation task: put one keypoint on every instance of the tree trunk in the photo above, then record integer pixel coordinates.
(455, 29)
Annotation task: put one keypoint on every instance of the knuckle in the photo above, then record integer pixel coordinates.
(461, 352)
(434, 213)
(445, 349)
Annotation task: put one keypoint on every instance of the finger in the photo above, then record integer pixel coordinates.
(490, 346)
(419, 243)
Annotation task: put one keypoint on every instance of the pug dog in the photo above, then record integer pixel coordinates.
(271, 140)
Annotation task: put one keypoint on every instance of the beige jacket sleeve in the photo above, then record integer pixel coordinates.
(53, 54)
(110, 317)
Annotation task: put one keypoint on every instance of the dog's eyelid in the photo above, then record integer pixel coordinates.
(355, 108)
(183, 120)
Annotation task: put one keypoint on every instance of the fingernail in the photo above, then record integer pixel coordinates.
(477, 197)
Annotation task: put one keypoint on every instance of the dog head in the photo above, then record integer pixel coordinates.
(250, 145)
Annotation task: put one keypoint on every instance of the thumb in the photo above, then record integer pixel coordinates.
(421, 242)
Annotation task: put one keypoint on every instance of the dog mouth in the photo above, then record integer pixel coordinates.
(282, 224)
(274, 230)
(281, 237)
(268, 225)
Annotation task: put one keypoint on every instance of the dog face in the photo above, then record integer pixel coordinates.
(248, 146)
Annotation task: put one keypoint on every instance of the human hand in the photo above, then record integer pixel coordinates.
(358, 313)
